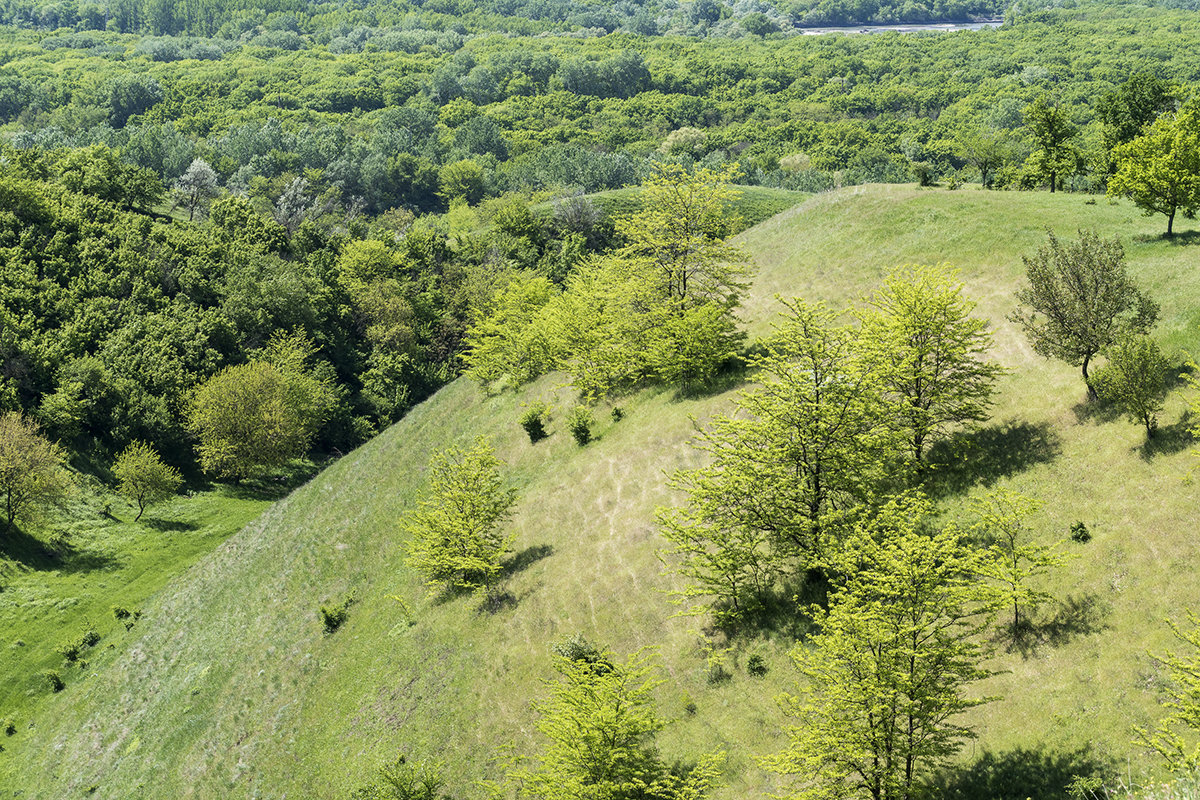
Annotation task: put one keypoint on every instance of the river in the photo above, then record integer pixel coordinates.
(942, 27)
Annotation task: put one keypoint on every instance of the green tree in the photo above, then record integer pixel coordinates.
(403, 780)
(788, 472)
(1135, 379)
(883, 681)
(1160, 169)
(143, 477)
(601, 725)
(931, 350)
(33, 473)
(1080, 298)
(196, 188)
(1014, 561)
(1133, 106)
(1175, 736)
(1052, 133)
(462, 180)
(509, 338)
(261, 414)
(986, 149)
(456, 536)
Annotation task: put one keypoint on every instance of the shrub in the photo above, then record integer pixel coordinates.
(10, 727)
(689, 705)
(534, 421)
(121, 612)
(756, 666)
(333, 616)
(618, 414)
(580, 422)
(54, 680)
(70, 651)
(1080, 533)
(90, 638)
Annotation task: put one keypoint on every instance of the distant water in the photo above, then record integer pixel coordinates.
(944, 27)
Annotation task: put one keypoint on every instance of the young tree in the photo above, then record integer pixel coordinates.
(261, 414)
(143, 477)
(1160, 170)
(601, 725)
(32, 469)
(804, 452)
(1135, 379)
(1013, 560)
(931, 352)
(1052, 133)
(986, 149)
(455, 532)
(1175, 738)
(1080, 299)
(883, 681)
(509, 339)
(196, 188)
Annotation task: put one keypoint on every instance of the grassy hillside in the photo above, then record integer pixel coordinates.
(229, 688)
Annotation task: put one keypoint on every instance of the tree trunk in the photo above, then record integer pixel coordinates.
(1091, 389)
(1171, 223)
(1053, 180)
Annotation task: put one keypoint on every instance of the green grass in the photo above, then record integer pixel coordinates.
(229, 687)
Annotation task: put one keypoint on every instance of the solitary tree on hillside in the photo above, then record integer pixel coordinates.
(884, 679)
(32, 469)
(931, 352)
(1160, 170)
(143, 477)
(455, 532)
(1080, 299)
(1053, 156)
(1135, 379)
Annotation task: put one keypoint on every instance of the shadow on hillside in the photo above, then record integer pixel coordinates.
(986, 455)
(1023, 773)
(168, 525)
(1074, 615)
(732, 374)
(525, 559)
(1169, 439)
(1096, 410)
(781, 612)
(1179, 239)
(58, 555)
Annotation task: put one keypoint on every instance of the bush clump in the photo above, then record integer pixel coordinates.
(334, 616)
(579, 423)
(756, 666)
(1080, 533)
(534, 421)
(54, 681)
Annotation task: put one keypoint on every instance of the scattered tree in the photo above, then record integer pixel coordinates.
(456, 536)
(143, 477)
(262, 414)
(1160, 169)
(403, 780)
(1080, 299)
(1014, 561)
(601, 725)
(1175, 736)
(1053, 156)
(931, 351)
(196, 188)
(986, 149)
(883, 681)
(1135, 379)
(32, 469)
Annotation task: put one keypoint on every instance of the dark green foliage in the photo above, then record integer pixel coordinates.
(756, 666)
(333, 616)
(1080, 533)
(54, 680)
(579, 423)
(72, 651)
(121, 612)
(534, 421)
(9, 726)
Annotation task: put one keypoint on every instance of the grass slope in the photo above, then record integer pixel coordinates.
(229, 687)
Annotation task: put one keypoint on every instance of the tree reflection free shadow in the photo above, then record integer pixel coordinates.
(987, 455)
(1023, 773)
(1074, 615)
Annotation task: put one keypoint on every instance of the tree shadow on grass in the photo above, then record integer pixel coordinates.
(1169, 439)
(1073, 616)
(1023, 773)
(169, 525)
(733, 373)
(987, 455)
(58, 555)
(525, 559)
(1178, 239)
(781, 612)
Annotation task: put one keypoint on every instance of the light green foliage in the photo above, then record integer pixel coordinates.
(262, 414)
(1175, 737)
(932, 352)
(403, 780)
(601, 725)
(462, 181)
(1053, 157)
(456, 536)
(1080, 299)
(32, 470)
(1160, 169)
(143, 477)
(1014, 560)
(789, 471)
(511, 337)
(985, 148)
(882, 684)
(1135, 379)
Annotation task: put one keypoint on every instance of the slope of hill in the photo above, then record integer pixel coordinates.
(229, 687)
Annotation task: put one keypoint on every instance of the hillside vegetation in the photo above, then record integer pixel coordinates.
(228, 686)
